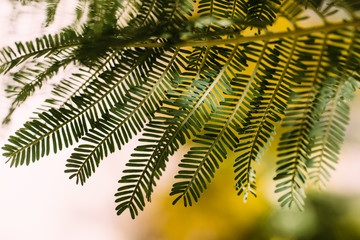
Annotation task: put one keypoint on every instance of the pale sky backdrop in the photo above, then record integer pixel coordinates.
(40, 202)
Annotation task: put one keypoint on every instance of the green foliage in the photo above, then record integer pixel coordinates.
(216, 72)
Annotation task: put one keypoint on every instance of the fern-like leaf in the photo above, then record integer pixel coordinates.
(46, 45)
(328, 132)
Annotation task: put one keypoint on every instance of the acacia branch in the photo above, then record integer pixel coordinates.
(244, 39)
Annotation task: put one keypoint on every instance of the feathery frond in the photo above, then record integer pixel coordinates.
(328, 131)
(44, 46)
(200, 162)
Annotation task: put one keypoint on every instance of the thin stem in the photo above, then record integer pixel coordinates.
(244, 39)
